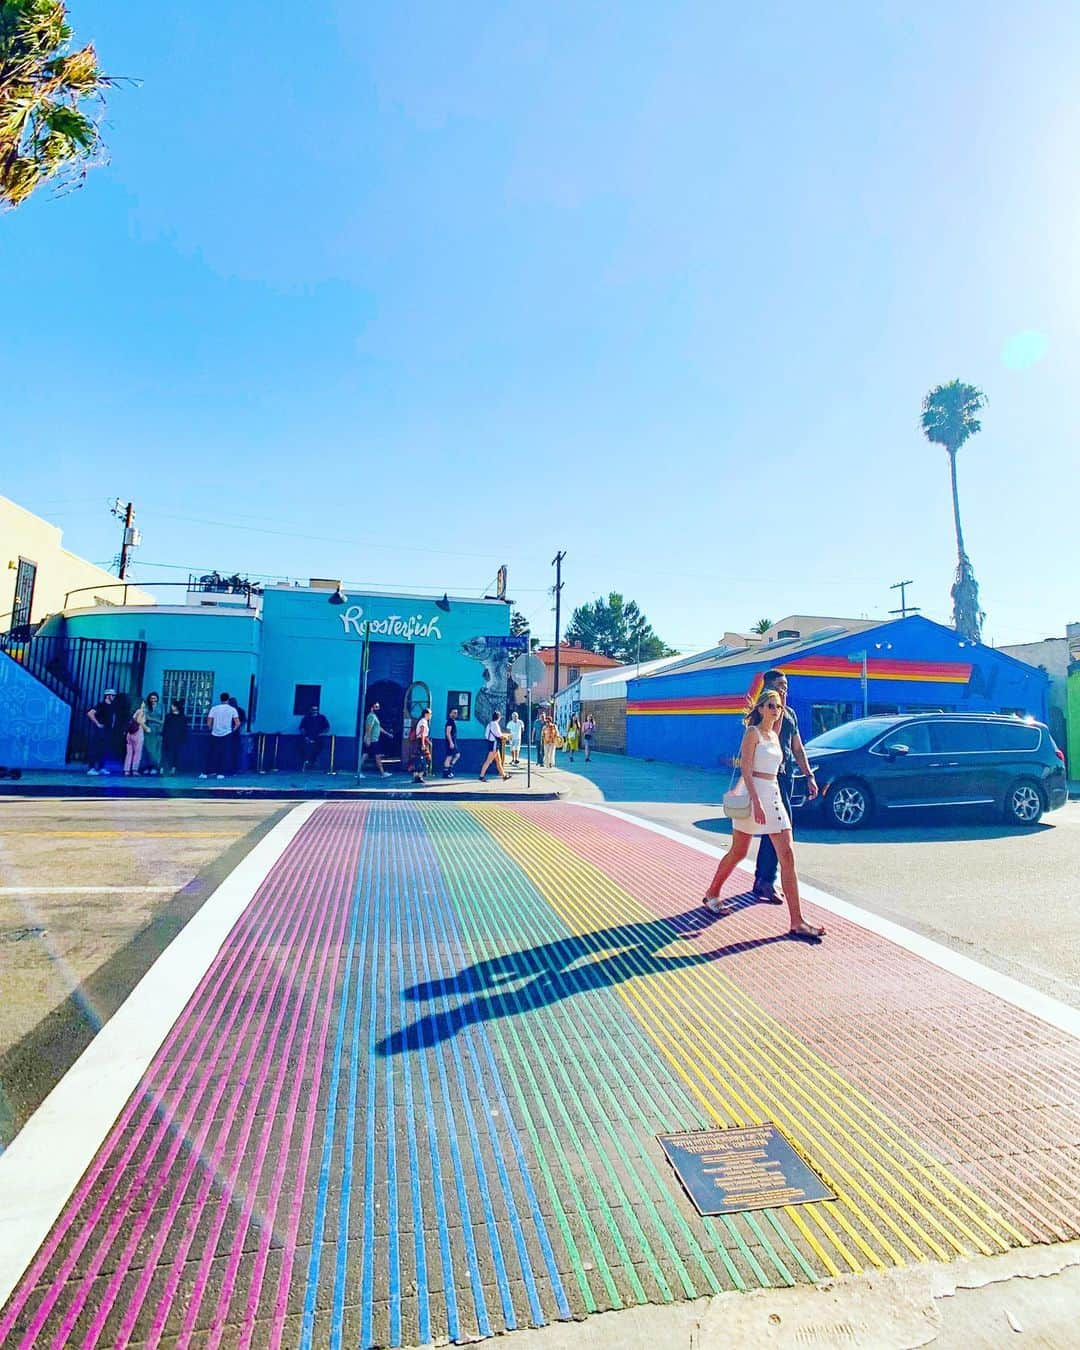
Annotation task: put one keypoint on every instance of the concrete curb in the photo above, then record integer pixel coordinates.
(269, 794)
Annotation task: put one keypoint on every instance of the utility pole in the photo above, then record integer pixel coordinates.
(131, 539)
(556, 562)
(905, 609)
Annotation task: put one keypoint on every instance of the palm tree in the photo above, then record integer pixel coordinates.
(762, 626)
(950, 415)
(44, 130)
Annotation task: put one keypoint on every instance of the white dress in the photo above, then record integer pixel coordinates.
(768, 758)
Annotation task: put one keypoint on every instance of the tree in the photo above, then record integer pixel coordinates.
(950, 415)
(519, 624)
(616, 628)
(45, 90)
(762, 626)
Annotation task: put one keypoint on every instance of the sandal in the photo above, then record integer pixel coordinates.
(807, 932)
(715, 905)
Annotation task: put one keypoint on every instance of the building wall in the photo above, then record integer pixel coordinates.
(610, 717)
(24, 535)
(695, 717)
(1052, 656)
(33, 721)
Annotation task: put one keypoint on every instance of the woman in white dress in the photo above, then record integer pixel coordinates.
(760, 760)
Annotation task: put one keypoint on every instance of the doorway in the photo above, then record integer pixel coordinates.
(390, 672)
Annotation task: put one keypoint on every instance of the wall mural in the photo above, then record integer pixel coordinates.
(496, 661)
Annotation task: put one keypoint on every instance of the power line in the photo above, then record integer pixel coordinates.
(905, 608)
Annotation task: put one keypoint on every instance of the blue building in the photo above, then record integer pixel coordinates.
(692, 713)
(278, 654)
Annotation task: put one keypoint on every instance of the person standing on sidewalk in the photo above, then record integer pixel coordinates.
(495, 736)
(588, 731)
(222, 720)
(550, 739)
(152, 732)
(372, 735)
(760, 760)
(793, 751)
(453, 754)
(102, 719)
(173, 737)
(515, 727)
(573, 736)
(421, 739)
(134, 735)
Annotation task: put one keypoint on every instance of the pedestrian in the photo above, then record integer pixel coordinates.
(134, 735)
(102, 719)
(173, 737)
(550, 738)
(313, 727)
(588, 731)
(760, 760)
(421, 739)
(516, 728)
(450, 735)
(573, 736)
(495, 736)
(794, 751)
(154, 724)
(372, 735)
(222, 720)
(236, 739)
(537, 736)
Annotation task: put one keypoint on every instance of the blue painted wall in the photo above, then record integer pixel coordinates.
(997, 683)
(34, 723)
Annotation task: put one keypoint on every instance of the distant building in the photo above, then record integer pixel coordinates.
(1052, 656)
(574, 661)
(601, 694)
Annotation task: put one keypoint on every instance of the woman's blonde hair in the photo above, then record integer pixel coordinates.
(753, 716)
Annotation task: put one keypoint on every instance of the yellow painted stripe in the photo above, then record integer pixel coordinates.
(125, 834)
(715, 1037)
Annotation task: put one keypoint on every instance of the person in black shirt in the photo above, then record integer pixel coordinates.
(313, 727)
(794, 752)
(453, 754)
(102, 719)
(173, 738)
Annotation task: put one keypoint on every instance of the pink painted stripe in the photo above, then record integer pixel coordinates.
(264, 1000)
(199, 1066)
(323, 998)
(231, 1182)
(186, 1027)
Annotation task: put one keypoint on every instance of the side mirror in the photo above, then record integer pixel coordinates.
(898, 750)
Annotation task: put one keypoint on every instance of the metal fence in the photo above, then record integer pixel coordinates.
(79, 670)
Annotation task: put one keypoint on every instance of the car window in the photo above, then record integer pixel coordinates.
(1014, 736)
(953, 737)
(916, 736)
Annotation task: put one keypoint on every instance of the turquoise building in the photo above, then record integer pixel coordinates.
(277, 654)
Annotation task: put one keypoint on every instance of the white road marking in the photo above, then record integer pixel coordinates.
(89, 890)
(43, 1164)
(1020, 995)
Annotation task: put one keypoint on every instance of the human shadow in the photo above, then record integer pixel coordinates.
(551, 972)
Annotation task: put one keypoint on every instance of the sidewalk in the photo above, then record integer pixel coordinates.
(401, 1082)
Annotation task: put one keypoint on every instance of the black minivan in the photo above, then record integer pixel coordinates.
(885, 766)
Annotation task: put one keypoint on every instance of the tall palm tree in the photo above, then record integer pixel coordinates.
(950, 415)
(45, 131)
(762, 626)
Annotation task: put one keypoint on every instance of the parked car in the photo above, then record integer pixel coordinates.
(885, 766)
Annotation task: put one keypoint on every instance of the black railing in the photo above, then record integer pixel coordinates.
(79, 670)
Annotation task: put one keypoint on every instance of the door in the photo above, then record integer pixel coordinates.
(23, 603)
(960, 762)
(902, 777)
(390, 672)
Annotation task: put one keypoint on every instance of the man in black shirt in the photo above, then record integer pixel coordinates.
(313, 727)
(453, 754)
(102, 719)
(794, 752)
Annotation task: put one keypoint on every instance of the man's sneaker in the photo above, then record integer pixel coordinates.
(92, 772)
(202, 775)
(221, 776)
(106, 772)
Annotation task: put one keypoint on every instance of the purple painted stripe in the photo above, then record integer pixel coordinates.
(303, 917)
(180, 1135)
(236, 949)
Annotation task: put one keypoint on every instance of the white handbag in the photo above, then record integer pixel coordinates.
(736, 804)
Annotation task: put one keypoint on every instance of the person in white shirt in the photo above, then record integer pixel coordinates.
(515, 727)
(223, 720)
(421, 738)
(495, 737)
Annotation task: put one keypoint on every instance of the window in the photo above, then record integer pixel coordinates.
(848, 737)
(1004, 736)
(306, 697)
(951, 738)
(825, 716)
(787, 634)
(572, 674)
(193, 690)
(916, 736)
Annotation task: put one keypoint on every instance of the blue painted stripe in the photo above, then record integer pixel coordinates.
(351, 987)
(401, 910)
(449, 923)
(483, 1319)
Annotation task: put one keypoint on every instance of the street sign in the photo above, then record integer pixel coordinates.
(528, 671)
(512, 643)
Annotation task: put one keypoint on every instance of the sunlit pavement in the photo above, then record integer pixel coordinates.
(414, 1096)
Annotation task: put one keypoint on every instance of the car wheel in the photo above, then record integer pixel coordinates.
(850, 804)
(1024, 803)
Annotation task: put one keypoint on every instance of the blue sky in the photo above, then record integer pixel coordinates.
(400, 292)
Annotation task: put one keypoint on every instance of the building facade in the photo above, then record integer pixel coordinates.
(574, 661)
(693, 714)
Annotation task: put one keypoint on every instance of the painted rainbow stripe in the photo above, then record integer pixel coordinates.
(830, 667)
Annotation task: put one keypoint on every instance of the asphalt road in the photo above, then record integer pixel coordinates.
(1006, 897)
